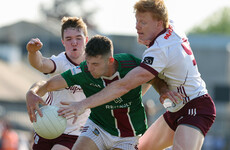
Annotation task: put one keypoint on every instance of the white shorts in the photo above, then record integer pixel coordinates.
(105, 140)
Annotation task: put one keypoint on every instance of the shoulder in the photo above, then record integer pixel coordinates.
(83, 66)
(171, 37)
(127, 60)
(125, 56)
(75, 70)
(59, 57)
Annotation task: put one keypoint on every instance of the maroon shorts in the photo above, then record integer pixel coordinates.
(45, 144)
(199, 112)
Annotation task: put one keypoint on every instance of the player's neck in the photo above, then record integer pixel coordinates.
(113, 69)
(78, 60)
(75, 61)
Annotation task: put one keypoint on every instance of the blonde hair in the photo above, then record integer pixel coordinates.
(73, 22)
(156, 7)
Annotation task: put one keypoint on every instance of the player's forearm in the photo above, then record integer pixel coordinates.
(133, 79)
(159, 85)
(106, 95)
(35, 60)
(39, 88)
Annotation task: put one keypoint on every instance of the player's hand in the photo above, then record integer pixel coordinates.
(32, 103)
(34, 45)
(74, 109)
(172, 95)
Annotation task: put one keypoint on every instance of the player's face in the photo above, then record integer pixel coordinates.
(147, 27)
(97, 66)
(74, 42)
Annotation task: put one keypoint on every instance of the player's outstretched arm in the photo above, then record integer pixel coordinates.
(35, 57)
(39, 89)
(133, 79)
(112, 91)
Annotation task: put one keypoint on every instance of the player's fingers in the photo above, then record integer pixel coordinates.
(65, 112)
(162, 99)
(176, 97)
(42, 102)
(30, 43)
(32, 115)
(60, 110)
(37, 40)
(68, 114)
(70, 117)
(38, 111)
(65, 103)
(173, 97)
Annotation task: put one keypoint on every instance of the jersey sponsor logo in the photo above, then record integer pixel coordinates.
(170, 30)
(126, 105)
(96, 132)
(118, 100)
(75, 70)
(148, 60)
(74, 89)
(95, 85)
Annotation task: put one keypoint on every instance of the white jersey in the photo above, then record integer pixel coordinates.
(73, 93)
(171, 59)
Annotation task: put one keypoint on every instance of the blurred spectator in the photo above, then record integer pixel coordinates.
(150, 110)
(9, 138)
(23, 142)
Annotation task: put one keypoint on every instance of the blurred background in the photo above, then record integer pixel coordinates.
(206, 23)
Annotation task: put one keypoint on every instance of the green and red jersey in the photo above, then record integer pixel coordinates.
(124, 116)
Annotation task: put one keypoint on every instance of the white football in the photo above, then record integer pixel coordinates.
(51, 125)
(171, 106)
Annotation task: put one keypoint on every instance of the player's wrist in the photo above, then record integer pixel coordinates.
(33, 52)
(83, 105)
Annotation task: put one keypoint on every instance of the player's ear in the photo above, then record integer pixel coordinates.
(62, 42)
(160, 23)
(86, 39)
(111, 59)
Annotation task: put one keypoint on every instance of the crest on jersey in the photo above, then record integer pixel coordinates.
(75, 70)
(96, 132)
(148, 60)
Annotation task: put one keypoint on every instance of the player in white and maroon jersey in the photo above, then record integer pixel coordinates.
(114, 125)
(74, 93)
(74, 39)
(170, 57)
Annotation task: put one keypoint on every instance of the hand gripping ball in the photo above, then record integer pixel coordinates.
(171, 106)
(51, 125)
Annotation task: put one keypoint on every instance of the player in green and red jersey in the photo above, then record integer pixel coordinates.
(115, 125)
(123, 117)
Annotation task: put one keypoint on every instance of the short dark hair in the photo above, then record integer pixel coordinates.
(99, 45)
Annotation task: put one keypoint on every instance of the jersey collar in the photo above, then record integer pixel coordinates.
(151, 43)
(75, 64)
